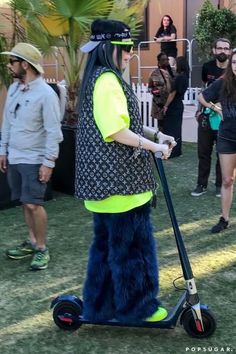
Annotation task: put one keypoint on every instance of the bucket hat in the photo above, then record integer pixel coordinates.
(28, 53)
(107, 30)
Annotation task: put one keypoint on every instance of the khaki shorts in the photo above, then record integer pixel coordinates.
(24, 183)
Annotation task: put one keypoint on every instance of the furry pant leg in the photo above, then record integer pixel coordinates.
(133, 264)
(98, 288)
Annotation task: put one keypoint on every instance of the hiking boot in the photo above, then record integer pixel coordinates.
(25, 249)
(159, 315)
(40, 260)
(218, 192)
(199, 190)
(220, 226)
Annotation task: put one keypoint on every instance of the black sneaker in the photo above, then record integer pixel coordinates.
(218, 192)
(220, 226)
(199, 190)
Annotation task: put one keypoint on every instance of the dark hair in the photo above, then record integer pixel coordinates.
(160, 55)
(102, 55)
(229, 84)
(34, 69)
(222, 40)
(55, 87)
(30, 65)
(182, 66)
(168, 67)
(161, 28)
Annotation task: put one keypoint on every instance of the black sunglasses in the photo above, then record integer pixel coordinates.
(127, 48)
(12, 61)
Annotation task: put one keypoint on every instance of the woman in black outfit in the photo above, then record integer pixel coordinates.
(165, 34)
(223, 93)
(174, 107)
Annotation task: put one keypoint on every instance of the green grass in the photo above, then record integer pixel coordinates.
(26, 324)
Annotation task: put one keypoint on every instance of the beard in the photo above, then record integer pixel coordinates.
(20, 74)
(222, 57)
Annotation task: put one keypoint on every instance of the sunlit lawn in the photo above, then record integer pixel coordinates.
(26, 324)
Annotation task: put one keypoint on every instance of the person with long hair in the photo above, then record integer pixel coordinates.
(159, 84)
(174, 106)
(114, 177)
(165, 35)
(221, 97)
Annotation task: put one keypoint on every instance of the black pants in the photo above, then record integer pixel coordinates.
(173, 125)
(206, 140)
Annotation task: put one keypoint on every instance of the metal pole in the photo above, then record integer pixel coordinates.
(138, 60)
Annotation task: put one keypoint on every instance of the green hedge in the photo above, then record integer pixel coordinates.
(212, 23)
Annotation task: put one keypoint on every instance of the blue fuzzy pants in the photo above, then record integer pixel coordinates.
(122, 273)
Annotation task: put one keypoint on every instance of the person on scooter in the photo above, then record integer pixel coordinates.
(115, 179)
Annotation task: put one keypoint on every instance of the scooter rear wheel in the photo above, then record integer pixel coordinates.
(66, 315)
(209, 323)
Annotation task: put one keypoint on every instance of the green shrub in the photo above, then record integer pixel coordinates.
(212, 23)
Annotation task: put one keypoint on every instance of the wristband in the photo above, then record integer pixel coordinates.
(139, 147)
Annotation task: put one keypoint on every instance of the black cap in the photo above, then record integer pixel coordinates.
(106, 30)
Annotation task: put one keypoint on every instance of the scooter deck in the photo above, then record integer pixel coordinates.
(169, 322)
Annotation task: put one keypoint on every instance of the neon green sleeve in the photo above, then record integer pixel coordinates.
(110, 106)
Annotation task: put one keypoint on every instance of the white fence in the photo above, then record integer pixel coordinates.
(145, 102)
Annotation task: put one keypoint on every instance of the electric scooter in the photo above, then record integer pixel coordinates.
(196, 318)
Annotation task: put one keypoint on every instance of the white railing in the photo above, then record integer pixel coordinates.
(188, 52)
(145, 102)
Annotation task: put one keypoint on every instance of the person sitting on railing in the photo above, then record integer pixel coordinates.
(165, 34)
(159, 84)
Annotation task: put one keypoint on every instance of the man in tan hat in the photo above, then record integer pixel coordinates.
(31, 134)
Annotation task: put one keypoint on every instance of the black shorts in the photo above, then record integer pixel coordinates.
(225, 146)
(24, 183)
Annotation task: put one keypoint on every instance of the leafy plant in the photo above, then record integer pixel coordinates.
(64, 25)
(212, 23)
(57, 27)
(5, 78)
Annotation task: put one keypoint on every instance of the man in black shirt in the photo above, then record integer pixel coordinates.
(211, 71)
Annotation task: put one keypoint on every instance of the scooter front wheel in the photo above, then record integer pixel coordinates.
(209, 323)
(66, 315)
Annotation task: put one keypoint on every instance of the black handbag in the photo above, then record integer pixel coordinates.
(203, 121)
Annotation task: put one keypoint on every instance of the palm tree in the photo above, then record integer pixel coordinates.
(5, 78)
(64, 25)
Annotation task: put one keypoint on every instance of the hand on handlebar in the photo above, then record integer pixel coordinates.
(165, 150)
(166, 139)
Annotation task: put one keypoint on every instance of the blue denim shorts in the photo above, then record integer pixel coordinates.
(24, 183)
(225, 146)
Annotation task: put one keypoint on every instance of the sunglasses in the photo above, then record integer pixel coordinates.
(125, 46)
(223, 48)
(12, 61)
